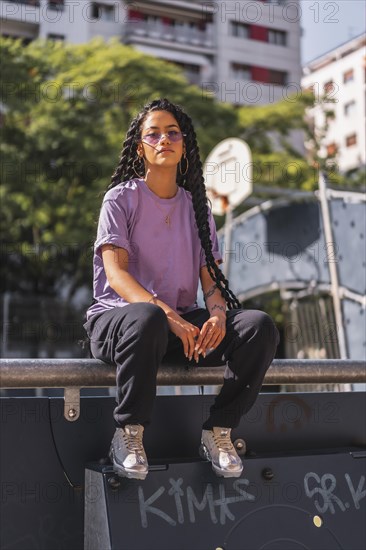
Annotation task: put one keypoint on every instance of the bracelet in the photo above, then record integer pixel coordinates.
(152, 297)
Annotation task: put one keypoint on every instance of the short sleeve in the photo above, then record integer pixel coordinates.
(112, 226)
(214, 240)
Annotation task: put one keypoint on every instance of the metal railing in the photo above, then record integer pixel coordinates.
(181, 34)
(74, 374)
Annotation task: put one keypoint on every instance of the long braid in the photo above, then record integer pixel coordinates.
(129, 159)
(199, 200)
(192, 181)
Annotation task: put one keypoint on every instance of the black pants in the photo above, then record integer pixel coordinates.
(137, 339)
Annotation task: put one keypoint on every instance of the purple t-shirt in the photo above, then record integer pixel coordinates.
(164, 259)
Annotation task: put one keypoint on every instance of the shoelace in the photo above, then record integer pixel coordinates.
(223, 441)
(133, 439)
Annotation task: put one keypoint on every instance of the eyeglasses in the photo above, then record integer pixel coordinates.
(155, 137)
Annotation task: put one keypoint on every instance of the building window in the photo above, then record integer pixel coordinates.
(102, 12)
(329, 87)
(240, 30)
(351, 140)
(188, 67)
(52, 36)
(277, 37)
(240, 72)
(260, 74)
(277, 77)
(329, 115)
(191, 71)
(348, 76)
(135, 15)
(332, 149)
(258, 32)
(25, 40)
(350, 108)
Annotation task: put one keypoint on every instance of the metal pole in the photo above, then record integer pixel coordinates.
(329, 241)
(82, 373)
(6, 304)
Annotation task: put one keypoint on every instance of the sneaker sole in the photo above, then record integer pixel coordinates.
(205, 455)
(122, 472)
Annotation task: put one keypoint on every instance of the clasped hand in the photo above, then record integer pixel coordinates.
(196, 341)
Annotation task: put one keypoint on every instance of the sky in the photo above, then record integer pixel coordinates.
(329, 23)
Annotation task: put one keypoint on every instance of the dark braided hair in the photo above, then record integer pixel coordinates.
(192, 181)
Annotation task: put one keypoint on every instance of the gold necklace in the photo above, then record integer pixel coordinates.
(167, 216)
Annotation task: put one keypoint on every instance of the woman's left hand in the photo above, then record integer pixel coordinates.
(212, 333)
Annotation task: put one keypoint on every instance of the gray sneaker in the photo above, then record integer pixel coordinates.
(216, 446)
(127, 452)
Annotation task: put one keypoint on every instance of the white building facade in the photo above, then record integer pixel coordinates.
(244, 52)
(337, 80)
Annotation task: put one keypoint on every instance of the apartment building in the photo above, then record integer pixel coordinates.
(337, 80)
(244, 52)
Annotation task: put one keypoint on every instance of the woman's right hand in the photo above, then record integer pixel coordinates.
(187, 332)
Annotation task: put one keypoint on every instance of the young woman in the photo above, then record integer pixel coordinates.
(156, 238)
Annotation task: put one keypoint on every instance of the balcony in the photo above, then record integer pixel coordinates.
(20, 19)
(156, 31)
